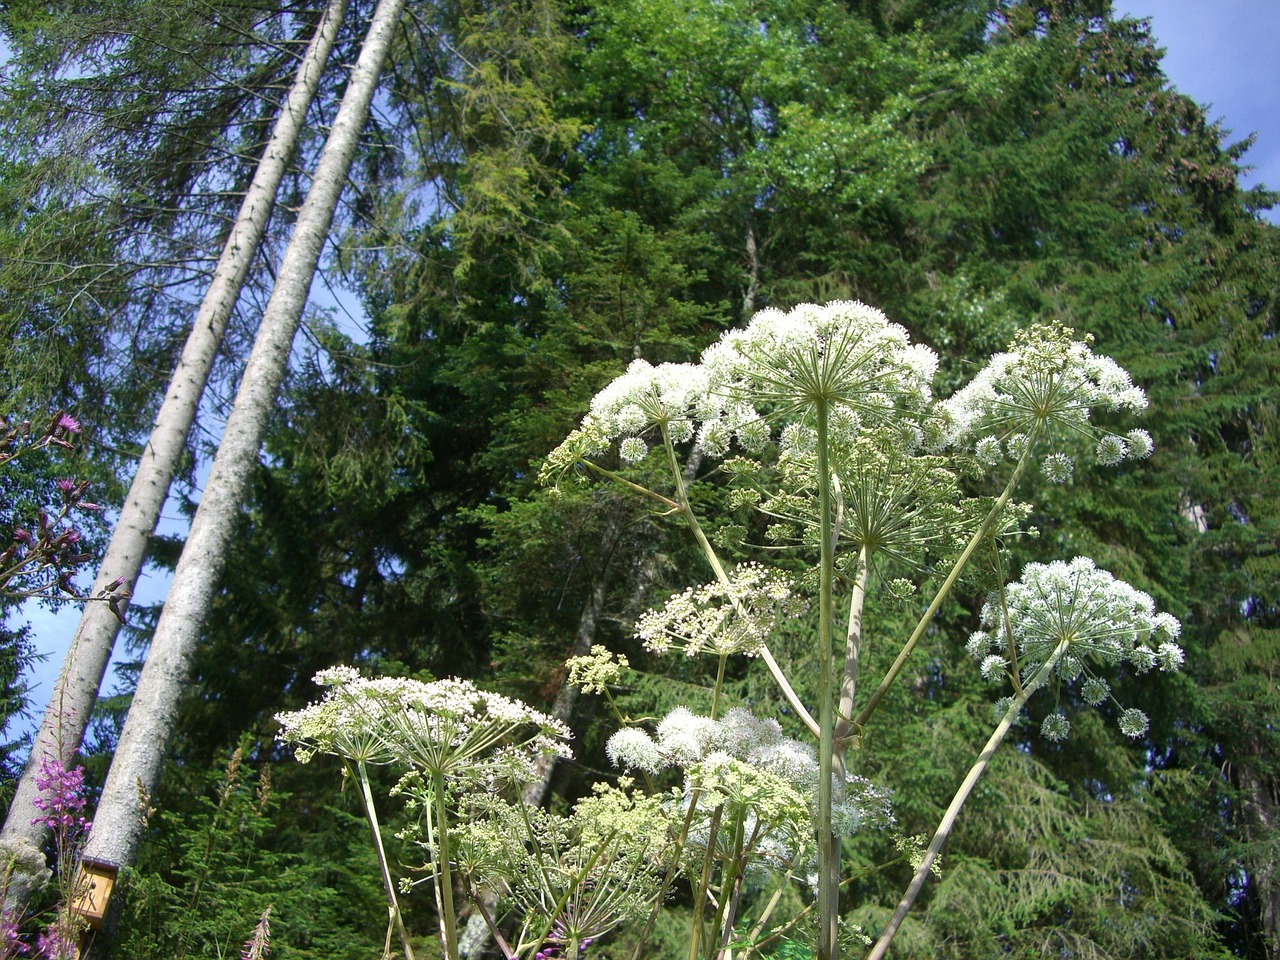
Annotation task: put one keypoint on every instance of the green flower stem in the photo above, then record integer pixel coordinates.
(393, 906)
(730, 880)
(988, 522)
(1011, 645)
(444, 879)
(715, 694)
(668, 876)
(828, 849)
(717, 567)
(753, 937)
(708, 865)
(474, 896)
(631, 485)
(852, 650)
(958, 801)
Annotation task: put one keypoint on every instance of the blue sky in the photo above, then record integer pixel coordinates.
(1221, 53)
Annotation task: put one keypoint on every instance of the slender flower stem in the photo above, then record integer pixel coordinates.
(448, 918)
(1010, 645)
(988, 522)
(828, 850)
(715, 695)
(717, 568)
(731, 880)
(393, 905)
(958, 801)
(852, 649)
(700, 901)
(629, 484)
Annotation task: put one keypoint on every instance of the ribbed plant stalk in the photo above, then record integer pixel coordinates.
(828, 849)
(958, 801)
(731, 889)
(715, 694)
(395, 919)
(444, 873)
(704, 884)
(852, 651)
(860, 721)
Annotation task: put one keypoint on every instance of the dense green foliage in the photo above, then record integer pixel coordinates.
(553, 190)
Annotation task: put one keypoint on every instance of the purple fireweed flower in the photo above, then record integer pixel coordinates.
(61, 797)
(57, 944)
(11, 944)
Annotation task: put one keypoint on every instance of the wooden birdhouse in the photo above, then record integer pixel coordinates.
(93, 888)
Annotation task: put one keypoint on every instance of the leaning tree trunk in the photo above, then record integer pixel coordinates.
(74, 694)
(139, 758)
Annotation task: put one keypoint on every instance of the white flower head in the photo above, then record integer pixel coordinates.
(1058, 468)
(632, 749)
(633, 449)
(1084, 620)
(446, 726)
(719, 618)
(993, 666)
(844, 353)
(684, 737)
(1056, 726)
(1046, 381)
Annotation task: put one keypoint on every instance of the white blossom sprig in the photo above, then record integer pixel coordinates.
(721, 618)
(1047, 383)
(845, 354)
(1089, 619)
(446, 726)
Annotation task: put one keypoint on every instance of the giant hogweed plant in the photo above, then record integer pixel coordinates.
(824, 421)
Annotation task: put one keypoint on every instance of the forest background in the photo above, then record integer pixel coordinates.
(544, 193)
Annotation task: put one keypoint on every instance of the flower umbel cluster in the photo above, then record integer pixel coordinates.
(684, 739)
(844, 354)
(1099, 621)
(1047, 381)
(597, 671)
(570, 878)
(721, 619)
(446, 726)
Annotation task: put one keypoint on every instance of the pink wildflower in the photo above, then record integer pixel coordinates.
(56, 944)
(62, 795)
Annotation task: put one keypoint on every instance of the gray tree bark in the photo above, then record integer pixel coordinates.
(139, 759)
(76, 690)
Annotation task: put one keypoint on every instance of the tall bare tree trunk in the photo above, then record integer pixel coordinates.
(74, 694)
(139, 759)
